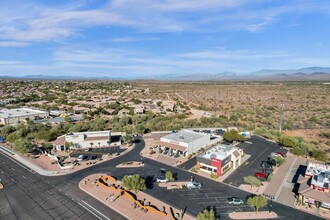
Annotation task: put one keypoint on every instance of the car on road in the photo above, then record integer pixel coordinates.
(80, 157)
(193, 185)
(261, 175)
(235, 201)
(161, 179)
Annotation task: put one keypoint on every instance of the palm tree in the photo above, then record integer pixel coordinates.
(108, 142)
(91, 144)
(99, 143)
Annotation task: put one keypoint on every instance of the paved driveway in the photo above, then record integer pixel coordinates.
(259, 150)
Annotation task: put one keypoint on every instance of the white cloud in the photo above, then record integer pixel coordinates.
(133, 39)
(35, 22)
(13, 44)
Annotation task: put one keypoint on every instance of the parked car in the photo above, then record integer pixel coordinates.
(235, 201)
(274, 154)
(88, 149)
(80, 157)
(93, 157)
(266, 165)
(161, 179)
(271, 162)
(193, 185)
(162, 172)
(261, 175)
(279, 153)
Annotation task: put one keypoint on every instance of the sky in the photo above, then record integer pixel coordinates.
(147, 38)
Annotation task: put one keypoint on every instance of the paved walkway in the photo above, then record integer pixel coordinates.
(30, 164)
(278, 180)
(252, 215)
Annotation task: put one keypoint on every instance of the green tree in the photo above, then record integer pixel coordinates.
(253, 181)
(23, 145)
(288, 141)
(140, 129)
(127, 139)
(206, 214)
(319, 155)
(169, 176)
(233, 135)
(279, 160)
(67, 119)
(134, 182)
(257, 202)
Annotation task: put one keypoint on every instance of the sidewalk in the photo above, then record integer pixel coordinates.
(123, 204)
(252, 215)
(278, 180)
(31, 165)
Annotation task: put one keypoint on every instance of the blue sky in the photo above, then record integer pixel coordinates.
(137, 38)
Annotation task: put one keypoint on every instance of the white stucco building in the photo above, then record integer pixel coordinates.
(83, 140)
(16, 115)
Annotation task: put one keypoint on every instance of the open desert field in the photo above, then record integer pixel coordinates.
(257, 104)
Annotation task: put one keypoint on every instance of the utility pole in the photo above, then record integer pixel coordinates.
(281, 116)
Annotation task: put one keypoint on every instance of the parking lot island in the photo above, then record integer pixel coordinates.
(140, 205)
(253, 215)
(130, 164)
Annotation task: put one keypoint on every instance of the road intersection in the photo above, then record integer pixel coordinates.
(31, 196)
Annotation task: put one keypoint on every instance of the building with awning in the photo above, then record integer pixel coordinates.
(219, 159)
(314, 186)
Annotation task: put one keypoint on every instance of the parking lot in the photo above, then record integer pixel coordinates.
(98, 152)
(259, 150)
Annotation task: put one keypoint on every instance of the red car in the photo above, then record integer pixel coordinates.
(261, 175)
(281, 154)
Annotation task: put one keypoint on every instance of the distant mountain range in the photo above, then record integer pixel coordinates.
(310, 73)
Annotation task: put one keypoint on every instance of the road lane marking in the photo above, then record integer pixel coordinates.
(96, 210)
(24, 177)
(89, 211)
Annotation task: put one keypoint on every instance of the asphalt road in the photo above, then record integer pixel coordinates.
(259, 150)
(60, 196)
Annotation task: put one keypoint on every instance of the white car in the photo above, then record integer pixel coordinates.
(273, 154)
(161, 180)
(80, 157)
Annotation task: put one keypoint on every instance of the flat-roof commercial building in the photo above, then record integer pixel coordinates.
(16, 115)
(184, 142)
(314, 186)
(219, 159)
(83, 140)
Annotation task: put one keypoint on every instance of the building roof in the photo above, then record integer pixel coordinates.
(185, 136)
(306, 190)
(60, 141)
(320, 174)
(169, 145)
(220, 152)
(19, 112)
(236, 153)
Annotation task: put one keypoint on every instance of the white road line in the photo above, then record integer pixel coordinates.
(12, 159)
(13, 169)
(24, 177)
(96, 210)
(89, 210)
